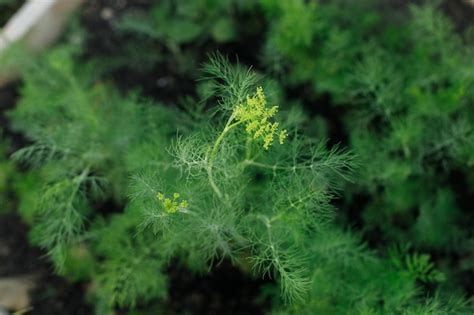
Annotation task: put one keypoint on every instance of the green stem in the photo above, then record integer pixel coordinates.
(219, 139)
(210, 160)
(78, 181)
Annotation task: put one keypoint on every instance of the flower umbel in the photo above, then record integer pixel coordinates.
(256, 116)
(171, 205)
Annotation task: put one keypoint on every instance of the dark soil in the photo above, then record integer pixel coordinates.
(8, 98)
(460, 12)
(165, 80)
(7, 9)
(52, 294)
(224, 291)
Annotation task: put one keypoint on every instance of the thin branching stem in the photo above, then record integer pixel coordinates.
(211, 157)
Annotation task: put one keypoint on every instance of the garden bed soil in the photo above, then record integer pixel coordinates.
(8, 8)
(50, 294)
(164, 82)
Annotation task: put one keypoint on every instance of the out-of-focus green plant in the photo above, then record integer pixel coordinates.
(219, 208)
(403, 84)
(178, 32)
(80, 133)
(178, 23)
(347, 278)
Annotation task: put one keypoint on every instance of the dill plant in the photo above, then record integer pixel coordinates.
(79, 133)
(349, 278)
(240, 186)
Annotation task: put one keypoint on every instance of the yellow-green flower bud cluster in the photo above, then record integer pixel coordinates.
(171, 205)
(256, 116)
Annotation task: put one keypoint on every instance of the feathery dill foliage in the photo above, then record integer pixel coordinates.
(348, 278)
(406, 82)
(80, 134)
(233, 191)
